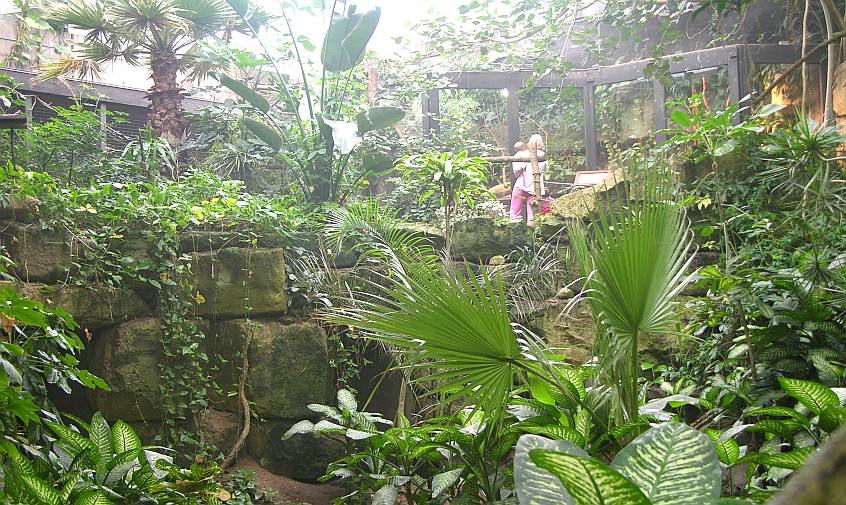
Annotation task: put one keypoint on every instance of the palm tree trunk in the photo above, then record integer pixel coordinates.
(166, 98)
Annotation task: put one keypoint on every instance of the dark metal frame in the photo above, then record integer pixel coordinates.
(738, 59)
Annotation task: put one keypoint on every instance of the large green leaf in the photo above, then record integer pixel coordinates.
(534, 485)
(347, 38)
(453, 318)
(245, 92)
(443, 481)
(557, 432)
(73, 441)
(635, 257)
(40, 490)
(588, 481)
(673, 464)
(791, 460)
(265, 133)
(812, 395)
(100, 433)
(376, 118)
(92, 498)
(832, 417)
(124, 438)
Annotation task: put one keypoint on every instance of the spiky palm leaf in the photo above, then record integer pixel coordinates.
(452, 327)
(635, 258)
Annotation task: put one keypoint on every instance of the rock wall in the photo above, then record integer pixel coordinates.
(240, 294)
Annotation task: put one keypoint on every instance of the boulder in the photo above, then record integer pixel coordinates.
(573, 334)
(582, 204)
(91, 307)
(237, 281)
(288, 365)
(219, 428)
(128, 357)
(40, 255)
(301, 457)
(480, 239)
(16, 208)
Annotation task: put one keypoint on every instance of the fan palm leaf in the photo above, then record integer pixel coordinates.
(635, 258)
(451, 326)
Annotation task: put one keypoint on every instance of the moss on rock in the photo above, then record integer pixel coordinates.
(289, 365)
(128, 357)
(236, 281)
(480, 239)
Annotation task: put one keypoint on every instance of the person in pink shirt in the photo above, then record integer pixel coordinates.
(524, 189)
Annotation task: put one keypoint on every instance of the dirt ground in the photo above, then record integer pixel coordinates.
(290, 491)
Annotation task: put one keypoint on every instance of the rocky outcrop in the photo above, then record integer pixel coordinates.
(582, 204)
(39, 255)
(288, 364)
(128, 357)
(92, 307)
(479, 239)
(237, 281)
(302, 457)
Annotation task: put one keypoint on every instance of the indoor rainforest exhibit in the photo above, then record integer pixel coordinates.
(517, 252)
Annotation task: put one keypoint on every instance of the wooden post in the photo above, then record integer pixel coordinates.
(533, 156)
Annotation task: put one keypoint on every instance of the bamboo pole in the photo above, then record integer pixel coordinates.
(511, 159)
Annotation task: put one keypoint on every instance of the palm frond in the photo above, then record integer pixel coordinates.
(86, 15)
(450, 325)
(205, 17)
(80, 67)
(379, 232)
(153, 17)
(635, 258)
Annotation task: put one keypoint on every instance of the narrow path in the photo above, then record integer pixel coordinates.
(290, 491)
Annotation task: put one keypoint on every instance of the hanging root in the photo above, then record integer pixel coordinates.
(245, 408)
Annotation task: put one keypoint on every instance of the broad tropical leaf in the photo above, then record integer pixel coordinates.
(346, 401)
(534, 485)
(728, 450)
(588, 481)
(265, 133)
(557, 432)
(376, 118)
(791, 460)
(443, 481)
(386, 495)
(101, 435)
(73, 440)
(673, 464)
(452, 325)
(124, 438)
(40, 490)
(812, 395)
(780, 412)
(831, 418)
(92, 498)
(245, 92)
(347, 38)
(634, 258)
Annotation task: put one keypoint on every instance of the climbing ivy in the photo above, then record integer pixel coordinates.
(130, 233)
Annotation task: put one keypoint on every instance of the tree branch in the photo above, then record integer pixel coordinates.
(834, 38)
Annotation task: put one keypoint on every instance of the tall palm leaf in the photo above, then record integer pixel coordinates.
(634, 258)
(451, 326)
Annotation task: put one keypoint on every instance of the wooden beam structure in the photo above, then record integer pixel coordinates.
(736, 58)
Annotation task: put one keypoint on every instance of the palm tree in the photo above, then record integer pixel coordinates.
(162, 35)
(634, 258)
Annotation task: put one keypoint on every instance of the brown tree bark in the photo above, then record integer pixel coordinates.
(166, 99)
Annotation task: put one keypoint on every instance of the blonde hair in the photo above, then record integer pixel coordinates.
(536, 141)
(519, 146)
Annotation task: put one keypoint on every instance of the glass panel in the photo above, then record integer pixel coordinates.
(558, 116)
(624, 117)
